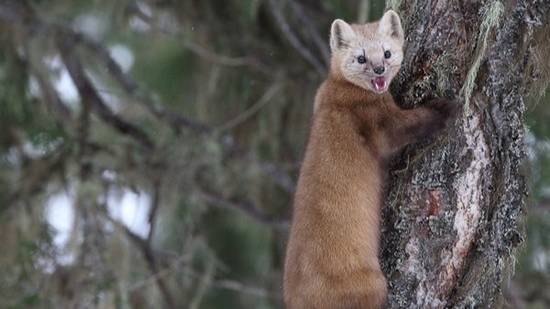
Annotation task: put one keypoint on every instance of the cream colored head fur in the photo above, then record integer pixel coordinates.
(368, 55)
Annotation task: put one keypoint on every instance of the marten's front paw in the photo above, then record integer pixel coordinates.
(444, 108)
(441, 112)
(444, 111)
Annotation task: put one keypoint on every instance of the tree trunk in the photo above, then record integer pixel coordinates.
(452, 220)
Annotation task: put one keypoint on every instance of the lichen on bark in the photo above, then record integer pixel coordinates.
(454, 205)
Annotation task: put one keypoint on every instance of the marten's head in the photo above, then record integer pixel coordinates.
(368, 55)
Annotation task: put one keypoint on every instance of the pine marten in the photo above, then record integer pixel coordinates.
(332, 255)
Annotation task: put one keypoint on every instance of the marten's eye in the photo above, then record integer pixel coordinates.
(361, 59)
(387, 54)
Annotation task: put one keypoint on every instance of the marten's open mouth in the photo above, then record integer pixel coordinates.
(379, 84)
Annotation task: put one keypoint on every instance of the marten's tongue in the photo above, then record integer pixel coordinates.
(379, 83)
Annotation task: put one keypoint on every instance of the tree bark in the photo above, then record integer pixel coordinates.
(454, 205)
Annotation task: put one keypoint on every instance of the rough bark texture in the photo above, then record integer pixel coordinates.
(454, 205)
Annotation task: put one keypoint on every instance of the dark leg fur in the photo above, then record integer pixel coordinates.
(422, 122)
(440, 113)
(443, 109)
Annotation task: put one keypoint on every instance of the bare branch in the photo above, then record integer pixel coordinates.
(155, 202)
(90, 95)
(246, 207)
(49, 94)
(293, 39)
(204, 283)
(242, 117)
(149, 257)
(177, 121)
(319, 40)
(201, 51)
(37, 173)
(364, 11)
(215, 57)
(277, 175)
(242, 288)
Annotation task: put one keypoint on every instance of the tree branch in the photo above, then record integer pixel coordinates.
(246, 207)
(155, 203)
(319, 40)
(89, 94)
(293, 39)
(149, 256)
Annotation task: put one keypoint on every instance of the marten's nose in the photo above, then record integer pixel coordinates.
(379, 70)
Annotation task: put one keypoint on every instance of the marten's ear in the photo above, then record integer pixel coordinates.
(341, 35)
(390, 25)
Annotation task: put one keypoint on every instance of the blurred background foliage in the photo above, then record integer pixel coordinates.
(174, 186)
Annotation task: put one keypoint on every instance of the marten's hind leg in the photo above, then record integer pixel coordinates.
(363, 290)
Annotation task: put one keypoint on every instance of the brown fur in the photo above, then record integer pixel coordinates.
(332, 255)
